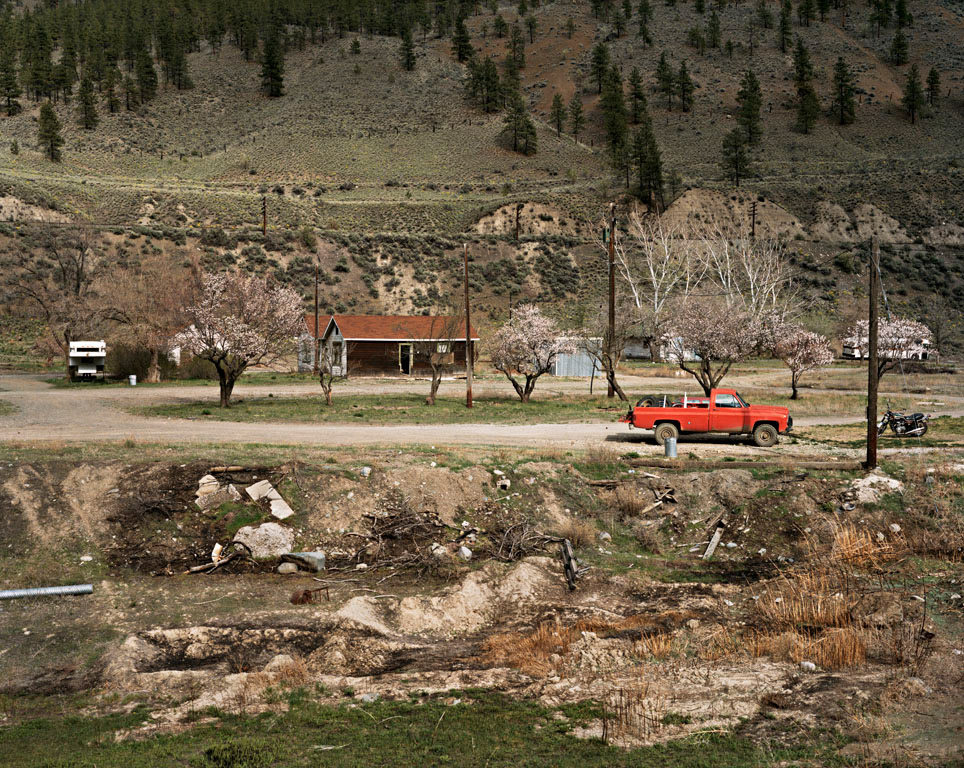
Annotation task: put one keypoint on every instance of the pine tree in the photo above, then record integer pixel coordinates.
(805, 12)
(914, 99)
(637, 96)
(699, 6)
(898, 49)
(461, 42)
(844, 87)
(714, 34)
(131, 93)
(600, 64)
(87, 108)
(48, 132)
(823, 6)
(763, 14)
(273, 66)
(110, 89)
(570, 27)
(729, 49)
(785, 27)
(483, 85)
(684, 88)
(500, 26)
(808, 108)
(613, 107)
(557, 113)
(750, 100)
(407, 50)
(665, 79)
(736, 156)
(146, 76)
(644, 12)
(576, 119)
(517, 47)
(934, 88)
(802, 67)
(520, 128)
(902, 16)
(644, 152)
(10, 89)
(531, 25)
(39, 79)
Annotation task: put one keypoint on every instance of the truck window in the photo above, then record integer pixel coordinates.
(725, 400)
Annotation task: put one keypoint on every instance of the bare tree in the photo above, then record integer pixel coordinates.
(527, 345)
(606, 348)
(332, 366)
(658, 265)
(58, 282)
(240, 321)
(438, 348)
(801, 351)
(149, 300)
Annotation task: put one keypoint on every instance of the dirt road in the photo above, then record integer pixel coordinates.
(46, 413)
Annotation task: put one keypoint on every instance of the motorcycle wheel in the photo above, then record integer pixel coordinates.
(881, 428)
(923, 429)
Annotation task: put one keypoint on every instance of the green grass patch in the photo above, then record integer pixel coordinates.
(7, 408)
(397, 408)
(486, 729)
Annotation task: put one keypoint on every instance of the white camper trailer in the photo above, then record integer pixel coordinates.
(86, 359)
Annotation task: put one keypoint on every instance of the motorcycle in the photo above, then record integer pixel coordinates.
(914, 425)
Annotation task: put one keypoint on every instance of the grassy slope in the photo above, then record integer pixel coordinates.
(484, 730)
(190, 156)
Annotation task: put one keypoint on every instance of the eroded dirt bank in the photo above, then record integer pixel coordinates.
(825, 603)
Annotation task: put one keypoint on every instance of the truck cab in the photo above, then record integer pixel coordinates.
(724, 411)
(86, 360)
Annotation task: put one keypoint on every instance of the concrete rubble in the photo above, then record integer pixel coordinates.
(266, 540)
(210, 493)
(870, 489)
(263, 489)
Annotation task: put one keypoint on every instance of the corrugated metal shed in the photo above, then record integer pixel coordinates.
(578, 364)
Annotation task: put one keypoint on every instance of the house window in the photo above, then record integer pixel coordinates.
(442, 348)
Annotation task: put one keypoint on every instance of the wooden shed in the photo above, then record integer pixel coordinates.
(387, 345)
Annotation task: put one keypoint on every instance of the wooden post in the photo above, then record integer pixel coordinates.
(612, 294)
(316, 346)
(468, 331)
(871, 461)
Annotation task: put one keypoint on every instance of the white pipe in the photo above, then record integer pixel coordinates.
(73, 589)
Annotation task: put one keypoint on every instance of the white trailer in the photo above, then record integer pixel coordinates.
(86, 359)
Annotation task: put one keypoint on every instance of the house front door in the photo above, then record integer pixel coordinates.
(405, 358)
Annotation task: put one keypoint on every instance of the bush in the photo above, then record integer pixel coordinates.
(124, 360)
(195, 368)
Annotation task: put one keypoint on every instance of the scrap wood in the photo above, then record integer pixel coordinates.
(241, 552)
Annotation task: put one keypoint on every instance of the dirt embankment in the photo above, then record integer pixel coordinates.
(789, 619)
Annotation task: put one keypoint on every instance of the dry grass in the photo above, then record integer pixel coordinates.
(859, 547)
(840, 648)
(632, 712)
(810, 599)
(532, 652)
(293, 674)
(581, 533)
(627, 500)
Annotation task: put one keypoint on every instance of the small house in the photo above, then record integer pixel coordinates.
(386, 345)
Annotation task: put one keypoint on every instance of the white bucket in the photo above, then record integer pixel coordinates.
(132, 380)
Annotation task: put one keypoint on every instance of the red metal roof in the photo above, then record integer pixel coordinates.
(390, 327)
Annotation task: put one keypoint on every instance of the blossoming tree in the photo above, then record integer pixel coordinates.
(239, 321)
(801, 351)
(527, 346)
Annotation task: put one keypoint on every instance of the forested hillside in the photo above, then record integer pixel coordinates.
(345, 121)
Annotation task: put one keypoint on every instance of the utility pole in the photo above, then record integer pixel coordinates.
(468, 331)
(612, 292)
(317, 346)
(264, 215)
(753, 220)
(871, 461)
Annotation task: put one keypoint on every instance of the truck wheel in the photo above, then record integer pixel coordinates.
(765, 435)
(664, 432)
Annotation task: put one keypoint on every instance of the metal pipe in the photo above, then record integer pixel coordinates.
(71, 589)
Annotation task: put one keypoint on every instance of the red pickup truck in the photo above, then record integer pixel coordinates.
(723, 411)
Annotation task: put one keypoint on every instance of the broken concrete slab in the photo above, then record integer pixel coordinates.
(217, 498)
(207, 484)
(267, 539)
(280, 508)
(259, 490)
(308, 561)
(871, 488)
